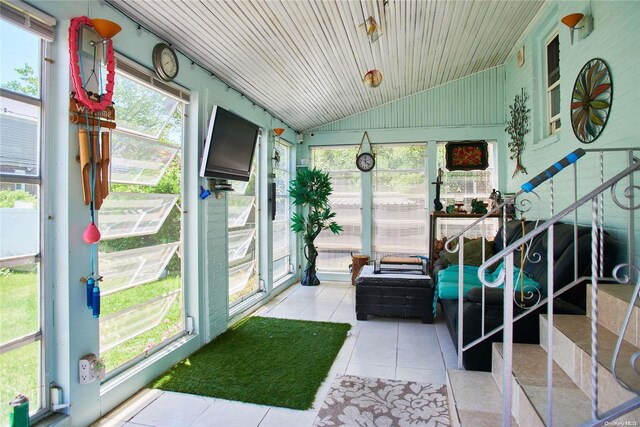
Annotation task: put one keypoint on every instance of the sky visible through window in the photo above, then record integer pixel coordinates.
(17, 49)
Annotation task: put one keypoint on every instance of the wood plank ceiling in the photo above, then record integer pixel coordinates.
(304, 60)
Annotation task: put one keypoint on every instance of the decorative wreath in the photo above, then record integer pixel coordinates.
(76, 77)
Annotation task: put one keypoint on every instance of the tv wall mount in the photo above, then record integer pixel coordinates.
(218, 186)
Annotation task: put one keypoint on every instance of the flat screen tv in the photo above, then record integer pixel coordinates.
(229, 146)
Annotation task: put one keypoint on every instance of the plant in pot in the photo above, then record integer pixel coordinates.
(311, 189)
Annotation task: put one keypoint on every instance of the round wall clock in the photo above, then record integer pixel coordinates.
(591, 101)
(365, 162)
(165, 62)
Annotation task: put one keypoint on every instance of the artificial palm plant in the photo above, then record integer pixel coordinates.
(311, 189)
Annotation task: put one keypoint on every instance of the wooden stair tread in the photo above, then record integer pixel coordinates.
(570, 405)
(578, 330)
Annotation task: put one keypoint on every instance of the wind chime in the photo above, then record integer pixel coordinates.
(95, 111)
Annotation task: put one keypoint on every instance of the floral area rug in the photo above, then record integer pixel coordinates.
(373, 402)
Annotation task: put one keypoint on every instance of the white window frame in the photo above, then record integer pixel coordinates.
(378, 255)
(553, 122)
(36, 258)
(292, 237)
(493, 157)
(147, 78)
(448, 198)
(233, 305)
(361, 247)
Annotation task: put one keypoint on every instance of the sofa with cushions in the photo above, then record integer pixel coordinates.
(526, 329)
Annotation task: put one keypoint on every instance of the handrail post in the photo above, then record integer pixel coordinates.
(631, 221)
(594, 310)
(460, 298)
(507, 343)
(550, 290)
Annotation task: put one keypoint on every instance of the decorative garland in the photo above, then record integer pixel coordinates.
(78, 86)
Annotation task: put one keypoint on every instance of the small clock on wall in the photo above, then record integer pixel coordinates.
(365, 161)
(165, 62)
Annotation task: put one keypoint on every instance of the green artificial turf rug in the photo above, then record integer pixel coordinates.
(263, 360)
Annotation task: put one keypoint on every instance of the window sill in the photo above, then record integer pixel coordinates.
(146, 362)
(544, 142)
(247, 304)
(283, 280)
(54, 419)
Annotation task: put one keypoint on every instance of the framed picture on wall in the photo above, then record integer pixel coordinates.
(467, 155)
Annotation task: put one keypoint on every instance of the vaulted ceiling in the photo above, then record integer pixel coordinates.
(305, 60)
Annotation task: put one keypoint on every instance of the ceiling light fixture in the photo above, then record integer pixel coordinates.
(374, 31)
(372, 79)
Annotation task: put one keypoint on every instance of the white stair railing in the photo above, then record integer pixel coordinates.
(595, 200)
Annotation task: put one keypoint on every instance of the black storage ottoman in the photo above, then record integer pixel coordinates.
(398, 295)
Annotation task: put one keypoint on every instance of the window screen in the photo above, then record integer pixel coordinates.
(335, 250)
(243, 241)
(400, 201)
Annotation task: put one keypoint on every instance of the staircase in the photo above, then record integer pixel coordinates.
(583, 373)
(475, 397)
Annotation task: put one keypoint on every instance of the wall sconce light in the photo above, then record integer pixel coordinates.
(278, 132)
(573, 19)
(105, 28)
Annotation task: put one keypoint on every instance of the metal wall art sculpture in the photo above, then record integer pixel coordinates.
(591, 101)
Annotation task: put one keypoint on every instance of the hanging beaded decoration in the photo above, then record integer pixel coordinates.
(90, 139)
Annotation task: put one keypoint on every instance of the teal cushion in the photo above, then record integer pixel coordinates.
(449, 290)
(526, 281)
(469, 275)
(447, 284)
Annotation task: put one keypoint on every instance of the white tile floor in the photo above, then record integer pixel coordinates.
(383, 347)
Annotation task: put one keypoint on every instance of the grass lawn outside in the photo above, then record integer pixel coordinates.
(268, 361)
(19, 316)
(19, 369)
(169, 326)
(18, 304)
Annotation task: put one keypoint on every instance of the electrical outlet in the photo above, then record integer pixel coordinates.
(86, 371)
